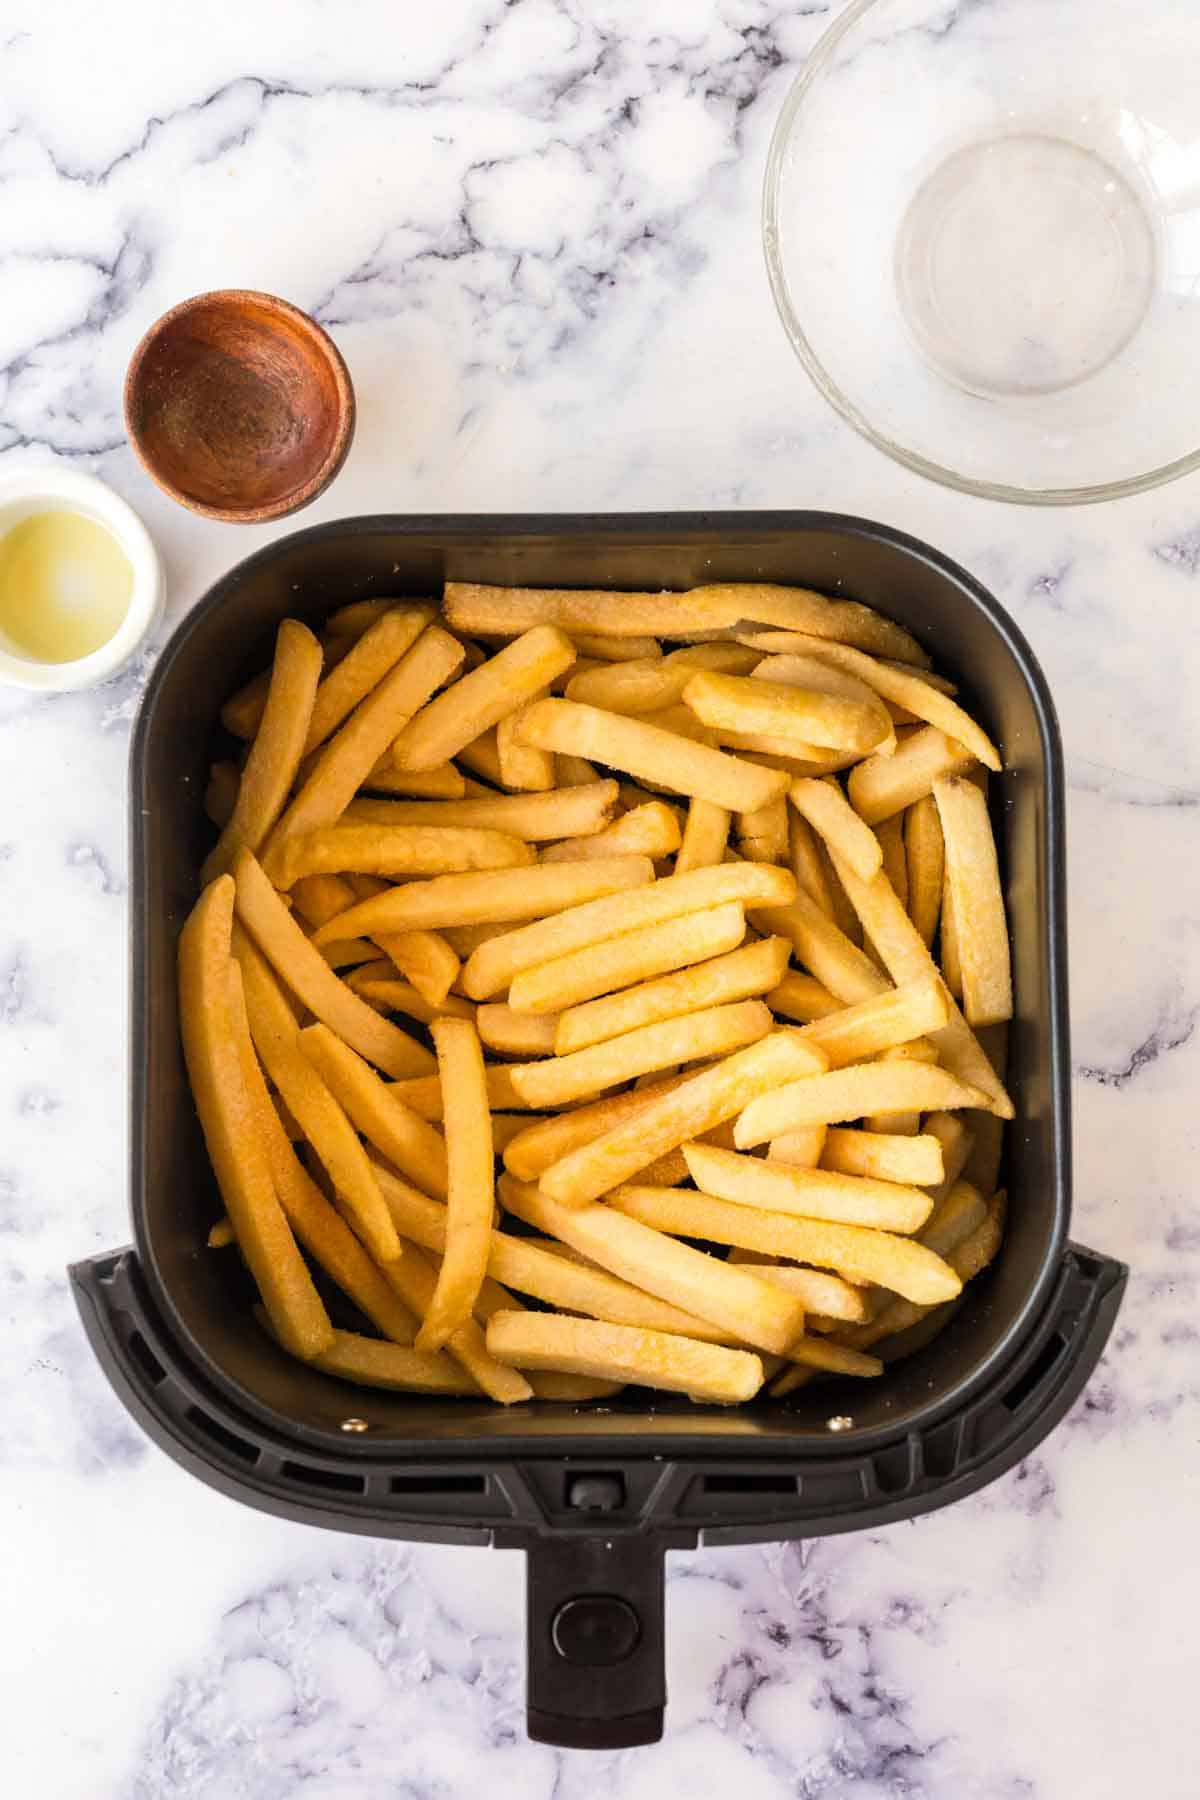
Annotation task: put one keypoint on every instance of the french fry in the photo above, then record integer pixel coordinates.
(277, 748)
(826, 1299)
(736, 1300)
(501, 897)
(833, 1359)
(885, 1156)
(238, 1155)
(496, 965)
(463, 939)
(546, 1141)
(925, 856)
(634, 956)
(309, 977)
(889, 834)
(948, 943)
(571, 1390)
(448, 724)
(440, 785)
(714, 1032)
(471, 1192)
(904, 955)
(516, 1034)
(571, 812)
(320, 897)
(955, 1137)
(649, 684)
(575, 771)
(322, 1119)
(699, 1103)
(896, 1017)
(881, 787)
(810, 1193)
(426, 959)
(357, 616)
(498, 611)
(620, 1353)
(807, 864)
(799, 715)
(650, 753)
(837, 964)
(962, 1231)
(406, 1139)
(980, 927)
(523, 769)
(416, 1282)
(798, 1149)
(853, 1251)
(220, 795)
(600, 648)
(372, 656)
(352, 953)
(482, 757)
(908, 688)
(705, 836)
(398, 850)
(740, 974)
(982, 1164)
(802, 997)
(222, 1234)
(648, 830)
(792, 756)
(851, 1093)
(763, 835)
(341, 765)
(369, 1363)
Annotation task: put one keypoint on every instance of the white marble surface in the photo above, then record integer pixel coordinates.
(533, 229)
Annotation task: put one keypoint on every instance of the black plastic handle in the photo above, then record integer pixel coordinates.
(594, 1636)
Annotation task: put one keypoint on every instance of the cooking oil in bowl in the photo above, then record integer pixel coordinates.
(65, 586)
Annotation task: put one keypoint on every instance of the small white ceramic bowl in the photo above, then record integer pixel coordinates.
(33, 488)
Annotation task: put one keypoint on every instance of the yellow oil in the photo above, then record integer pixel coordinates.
(65, 586)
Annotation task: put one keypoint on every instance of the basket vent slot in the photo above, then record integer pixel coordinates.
(750, 1484)
(145, 1358)
(1036, 1373)
(313, 1476)
(427, 1486)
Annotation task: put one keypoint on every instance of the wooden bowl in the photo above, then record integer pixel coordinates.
(239, 406)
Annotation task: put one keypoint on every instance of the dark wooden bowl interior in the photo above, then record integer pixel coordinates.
(239, 405)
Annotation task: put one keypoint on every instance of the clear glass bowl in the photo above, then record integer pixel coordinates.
(982, 229)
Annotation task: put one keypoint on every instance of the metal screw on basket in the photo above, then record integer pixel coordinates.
(355, 1425)
(840, 1422)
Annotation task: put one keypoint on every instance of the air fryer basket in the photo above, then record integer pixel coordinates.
(594, 1494)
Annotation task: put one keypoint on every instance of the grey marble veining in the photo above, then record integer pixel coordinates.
(533, 229)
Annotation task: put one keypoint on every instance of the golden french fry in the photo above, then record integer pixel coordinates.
(471, 1193)
(763, 835)
(416, 1282)
(424, 1095)
(503, 896)
(792, 756)
(800, 715)
(369, 1363)
(961, 1231)
(885, 1156)
(864, 1255)
(811, 1193)
(714, 1032)
(448, 724)
(908, 688)
(699, 1103)
(798, 1149)
(741, 974)
(634, 956)
(650, 753)
(840, 966)
(372, 656)
(834, 1359)
(600, 648)
(405, 1138)
(802, 997)
(647, 830)
(353, 953)
(516, 1034)
(522, 768)
(649, 684)
(239, 1157)
(948, 942)
(826, 809)
(462, 939)
(705, 836)
(426, 959)
(925, 856)
(807, 864)
(905, 957)
(322, 1119)
(309, 977)
(398, 850)
(621, 1353)
(546, 1141)
(733, 1299)
(575, 771)
(222, 1234)
(882, 787)
(980, 927)
(851, 1093)
(889, 835)
(341, 765)
(482, 757)
(277, 748)
(955, 1219)
(321, 1230)
(318, 898)
(357, 616)
(956, 1137)
(220, 795)
(571, 812)
(496, 965)
(443, 784)
(825, 1298)
(896, 1017)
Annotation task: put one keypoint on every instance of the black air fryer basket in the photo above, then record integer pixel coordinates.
(594, 1494)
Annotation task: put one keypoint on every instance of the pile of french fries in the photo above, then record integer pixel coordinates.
(596, 989)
